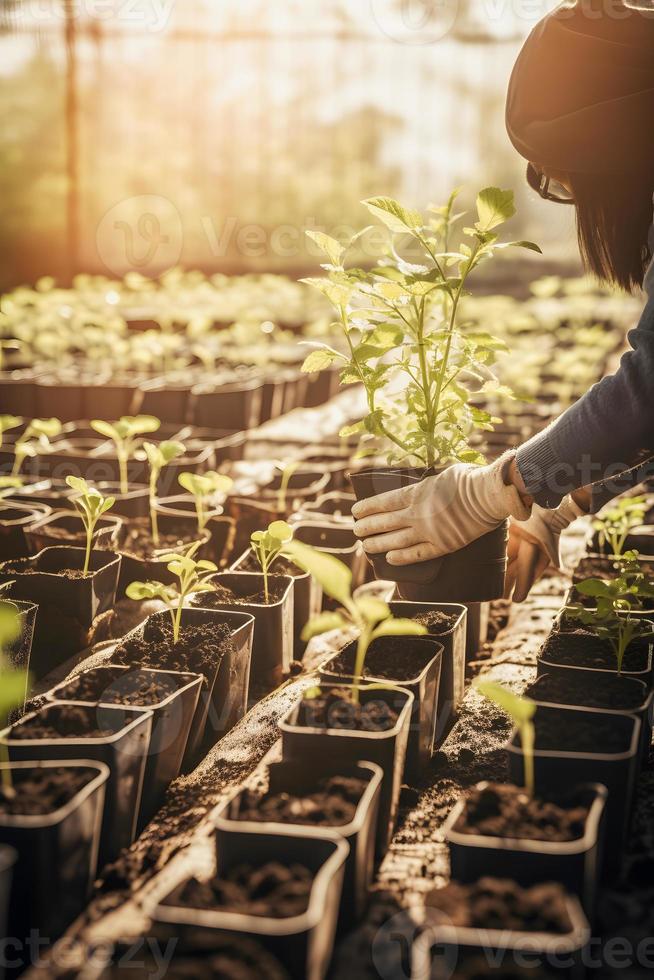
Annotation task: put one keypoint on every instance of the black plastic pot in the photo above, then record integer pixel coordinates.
(302, 943)
(453, 669)
(443, 951)
(575, 864)
(303, 485)
(235, 406)
(223, 700)
(307, 597)
(172, 718)
(60, 396)
(272, 647)
(85, 456)
(565, 766)
(124, 752)
(222, 529)
(336, 540)
(473, 574)
(334, 508)
(39, 535)
(547, 663)
(641, 539)
(134, 503)
(17, 392)
(305, 744)
(167, 399)
(8, 858)
(359, 834)
(424, 686)
(72, 611)
(135, 568)
(15, 520)
(19, 652)
(57, 854)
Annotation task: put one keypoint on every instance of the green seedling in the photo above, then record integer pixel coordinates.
(616, 522)
(14, 683)
(287, 470)
(616, 601)
(36, 438)
(8, 422)
(404, 336)
(268, 545)
(371, 617)
(191, 577)
(158, 456)
(203, 486)
(90, 505)
(521, 711)
(9, 483)
(126, 435)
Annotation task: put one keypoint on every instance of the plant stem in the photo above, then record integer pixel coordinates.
(264, 569)
(527, 739)
(177, 618)
(362, 648)
(200, 513)
(89, 544)
(122, 469)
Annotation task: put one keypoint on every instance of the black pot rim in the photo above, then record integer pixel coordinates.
(286, 725)
(56, 816)
(187, 680)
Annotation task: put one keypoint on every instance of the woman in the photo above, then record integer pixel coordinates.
(580, 109)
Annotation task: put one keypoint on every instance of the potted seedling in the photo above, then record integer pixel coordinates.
(265, 595)
(34, 441)
(420, 368)
(126, 436)
(17, 516)
(293, 485)
(203, 498)
(204, 487)
(158, 456)
(7, 423)
(62, 526)
(351, 720)
(616, 522)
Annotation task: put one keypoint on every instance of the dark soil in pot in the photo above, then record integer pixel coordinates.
(272, 890)
(394, 659)
(136, 538)
(281, 567)
(615, 693)
(36, 792)
(195, 651)
(499, 903)
(231, 956)
(504, 810)
(437, 622)
(64, 721)
(598, 566)
(596, 734)
(65, 528)
(640, 606)
(135, 687)
(222, 595)
(582, 649)
(332, 804)
(337, 708)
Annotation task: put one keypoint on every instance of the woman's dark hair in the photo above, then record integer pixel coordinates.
(614, 214)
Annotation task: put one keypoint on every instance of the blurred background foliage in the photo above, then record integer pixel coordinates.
(140, 134)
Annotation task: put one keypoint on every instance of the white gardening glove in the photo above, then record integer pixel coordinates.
(439, 515)
(534, 545)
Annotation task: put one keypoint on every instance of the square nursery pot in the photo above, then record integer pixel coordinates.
(272, 646)
(73, 611)
(602, 566)
(575, 863)
(472, 574)
(305, 743)
(223, 697)
(453, 668)
(307, 593)
(152, 565)
(591, 657)
(235, 405)
(19, 652)
(443, 951)
(332, 508)
(574, 746)
(420, 658)
(641, 539)
(8, 857)
(302, 943)
(64, 527)
(172, 717)
(167, 399)
(123, 750)
(615, 693)
(222, 529)
(337, 540)
(15, 520)
(303, 485)
(57, 852)
(134, 503)
(359, 834)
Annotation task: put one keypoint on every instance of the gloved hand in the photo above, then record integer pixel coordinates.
(439, 515)
(534, 545)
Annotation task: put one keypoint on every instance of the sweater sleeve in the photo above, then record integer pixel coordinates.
(601, 435)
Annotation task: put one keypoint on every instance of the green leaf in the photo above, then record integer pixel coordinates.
(593, 587)
(332, 248)
(396, 217)
(318, 360)
(337, 293)
(519, 709)
(9, 625)
(332, 574)
(494, 207)
(323, 623)
(532, 246)
(373, 610)
(104, 428)
(281, 531)
(400, 627)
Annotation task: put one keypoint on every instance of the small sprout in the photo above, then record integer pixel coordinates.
(35, 438)
(268, 546)
(90, 505)
(14, 683)
(287, 470)
(616, 522)
(159, 456)
(203, 486)
(372, 617)
(125, 435)
(9, 483)
(8, 422)
(521, 711)
(191, 577)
